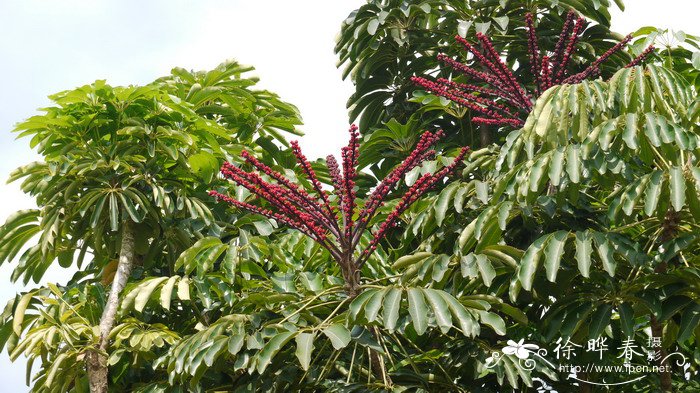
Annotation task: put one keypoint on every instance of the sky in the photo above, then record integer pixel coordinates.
(49, 46)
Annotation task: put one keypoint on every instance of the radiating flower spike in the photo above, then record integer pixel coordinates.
(314, 214)
(496, 97)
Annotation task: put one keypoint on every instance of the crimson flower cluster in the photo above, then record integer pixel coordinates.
(501, 99)
(335, 220)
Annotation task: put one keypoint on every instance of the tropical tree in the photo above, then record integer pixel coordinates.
(496, 95)
(121, 193)
(678, 50)
(595, 199)
(386, 42)
(576, 223)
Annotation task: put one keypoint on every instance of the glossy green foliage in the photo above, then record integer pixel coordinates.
(139, 155)
(385, 42)
(586, 218)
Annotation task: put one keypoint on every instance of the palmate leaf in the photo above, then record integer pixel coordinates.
(551, 249)
(17, 230)
(426, 307)
(134, 336)
(596, 132)
(139, 295)
(650, 193)
(230, 338)
(183, 357)
(385, 42)
(137, 162)
(202, 255)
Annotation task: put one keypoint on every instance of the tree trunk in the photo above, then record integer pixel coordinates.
(584, 387)
(352, 277)
(97, 359)
(657, 330)
(484, 135)
(670, 230)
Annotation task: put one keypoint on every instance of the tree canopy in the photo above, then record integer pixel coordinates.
(441, 260)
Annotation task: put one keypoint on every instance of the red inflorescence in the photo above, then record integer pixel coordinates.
(315, 214)
(502, 100)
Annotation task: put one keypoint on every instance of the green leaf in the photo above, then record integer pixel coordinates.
(440, 309)
(130, 208)
(201, 255)
(183, 289)
(502, 21)
(204, 164)
(443, 202)
(55, 366)
(494, 321)
(605, 251)
(677, 184)
(584, 249)
(97, 212)
(166, 292)
(235, 343)
(556, 166)
(271, 349)
(408, 260)
(689, 323)
(653, 193)
(599, 320)
(573, 164)
(215, 350)
(374, 303)
(465, 320)
(630, 133)
(357, 305)
(372, 26)
(113, 212)
(338, 334)
(485, 269)
(264, 227)
(626, 319)
(529, 263)
(482, 191)
(553, 253)
(20, 310)
(418, 310)
(305, 346)
(390, 308)
(145, 291)
(537, 173)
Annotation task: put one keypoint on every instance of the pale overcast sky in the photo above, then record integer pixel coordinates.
(49, 46)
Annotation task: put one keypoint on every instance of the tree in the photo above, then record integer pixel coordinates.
(338, 227)
(123, 184)
(580, 224)
(386, 42)
(586, 216)
(678, 50)
(496, 95)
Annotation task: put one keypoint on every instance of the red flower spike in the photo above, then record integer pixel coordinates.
(546, 76)
(533, 48)
(641, 57)
(420, 187)
(314, 214)
(570, 47)
(311, 175)
(508, 102)
(563, 37)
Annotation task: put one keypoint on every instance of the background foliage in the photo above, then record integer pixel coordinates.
(582, 223)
